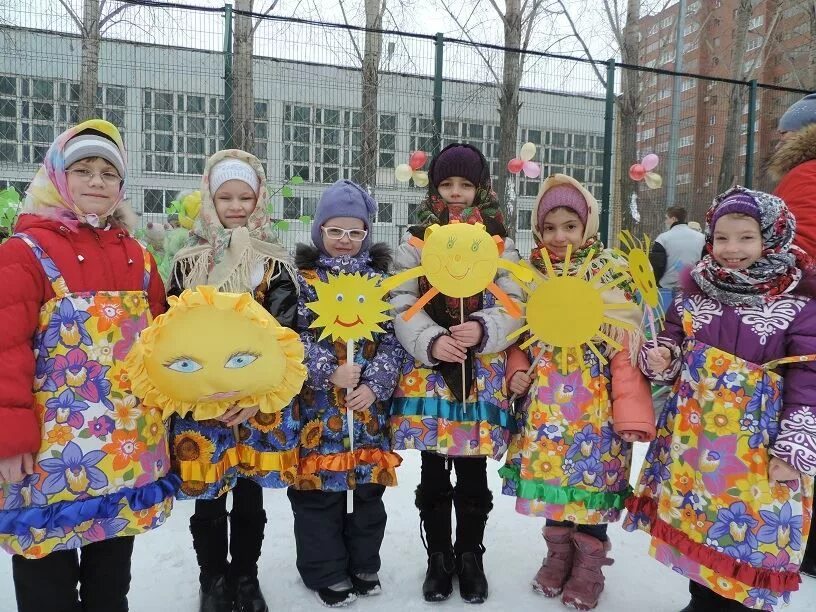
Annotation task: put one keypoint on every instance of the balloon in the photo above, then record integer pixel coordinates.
(527, 152)
(637, 172)
(515, 165)
(420, 178)
(417, 160)
(531, 169)
(403, 173)
(654, 180)
(650, 162)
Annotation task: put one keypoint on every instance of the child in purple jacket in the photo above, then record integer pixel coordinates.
(338, 554)
(726, 487)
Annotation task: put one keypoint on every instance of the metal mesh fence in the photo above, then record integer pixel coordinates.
(165, 79)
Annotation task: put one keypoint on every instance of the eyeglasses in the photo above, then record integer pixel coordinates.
(338, 233)
(109, 178)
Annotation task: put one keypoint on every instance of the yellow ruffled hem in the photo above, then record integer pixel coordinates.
(196, 471)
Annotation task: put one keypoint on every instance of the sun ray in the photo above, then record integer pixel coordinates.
(518, 332)
(526, 344)
(606, 268)
(597, 282)
(609, 340)
(567, 258)
(618, 323)
(420, 303)
(581, 273)
(505, 300)
(548, 262)
(564, 360)
(591, 346)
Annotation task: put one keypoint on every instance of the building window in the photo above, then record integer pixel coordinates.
(387, 141)
(524, 219)
(686, 141)
(296, 207)
(385, 212)
(156, 201)
(756, 22)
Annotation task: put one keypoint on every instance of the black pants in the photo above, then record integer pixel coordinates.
(704, 596)
(247, 498)
(49, 584)
(596, 531)
(332, 544)
(471, 475)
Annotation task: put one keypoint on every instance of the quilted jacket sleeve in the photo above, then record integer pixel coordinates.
(632, 408)
(20, 302)
(796, 442)
(281, 299)
(382, 372)
(671, 338)
(155, 290)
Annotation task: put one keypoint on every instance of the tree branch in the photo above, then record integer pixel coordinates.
(266, 12)
(103, 21)
(74, 17)
(582, 43)
(353, 40)
(466, 32)
(498, 11)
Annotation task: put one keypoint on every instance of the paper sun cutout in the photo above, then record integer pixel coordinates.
(637, 256)
(349, 307)
(213, 350)
(460, 260)
(413, 170)
(568, 311)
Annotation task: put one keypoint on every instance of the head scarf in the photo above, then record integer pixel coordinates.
(777, 271)
(226, 258)
(48, 195)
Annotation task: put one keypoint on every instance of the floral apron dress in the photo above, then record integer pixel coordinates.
(102, 469)
(567, 463)
(704, 493)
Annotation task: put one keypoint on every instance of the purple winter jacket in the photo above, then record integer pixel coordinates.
(759, 334)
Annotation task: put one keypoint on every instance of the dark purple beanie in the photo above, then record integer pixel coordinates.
(738, 202)
(457, 160)
(343, 199)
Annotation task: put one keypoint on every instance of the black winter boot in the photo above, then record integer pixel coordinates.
(704, 599)
(435, 518)
(246, 537)
(471, 518)
(808, 567)
(210, 543)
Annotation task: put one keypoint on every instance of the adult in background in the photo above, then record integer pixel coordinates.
(793, 164)
(678, 247)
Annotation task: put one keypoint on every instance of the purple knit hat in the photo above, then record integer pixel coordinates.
(564, 195)
(457, 160)
(343, 199)
(738, 202)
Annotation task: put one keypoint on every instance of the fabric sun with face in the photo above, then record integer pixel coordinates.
(349, 307)
(460, 260)
(568, 311)
(636, 253)
(211, 351)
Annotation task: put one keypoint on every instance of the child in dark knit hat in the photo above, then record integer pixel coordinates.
(338, 554)
(429, 412)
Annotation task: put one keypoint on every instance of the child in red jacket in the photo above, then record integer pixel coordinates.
(83, 465)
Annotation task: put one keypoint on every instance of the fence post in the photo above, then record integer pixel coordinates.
(609, 132)
(437, 95)
(227, 118)
(749, 141)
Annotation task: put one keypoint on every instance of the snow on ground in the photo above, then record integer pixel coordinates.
(165, 572)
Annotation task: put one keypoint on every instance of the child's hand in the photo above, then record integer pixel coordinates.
(630, 436)
(467, 334)
(658, 359)
(779, 471)
(520, 383)
(237, 415)
(14, 469)
(361, 398)
(445, 348)
(346, 376)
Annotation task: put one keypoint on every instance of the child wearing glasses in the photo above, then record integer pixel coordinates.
(83, 464)
(232, 247)
(338, 554)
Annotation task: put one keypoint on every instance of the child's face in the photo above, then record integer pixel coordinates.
(561, 228)
(94, 185)
(234, 202)
(737, 241)
(458, 192)
(343, 236)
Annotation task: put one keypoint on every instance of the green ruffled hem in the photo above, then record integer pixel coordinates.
(542, 491)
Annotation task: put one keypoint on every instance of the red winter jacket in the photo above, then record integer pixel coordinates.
(24, 289)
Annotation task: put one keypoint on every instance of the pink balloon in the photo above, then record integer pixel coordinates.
(637, 172)
(515, 165)
(650, 162)
(417, 160)
(531, 169)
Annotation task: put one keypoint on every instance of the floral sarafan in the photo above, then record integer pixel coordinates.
(460, 260)
(568, 311)
(349, 307)
(212, 350)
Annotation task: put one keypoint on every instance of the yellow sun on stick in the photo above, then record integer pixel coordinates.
(460, 260)
(349, 307)
(568, 311)
(637, 255)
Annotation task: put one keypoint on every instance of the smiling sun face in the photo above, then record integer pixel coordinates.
(637, 254)
(349, 307)
(212, 350)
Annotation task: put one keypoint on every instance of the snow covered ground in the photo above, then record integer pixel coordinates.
(165, 572)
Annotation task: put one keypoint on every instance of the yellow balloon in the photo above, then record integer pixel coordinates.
(653, 180)
(213, 350)
(403, 173)
(349, 307)
(421, 178)
(527, 152)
